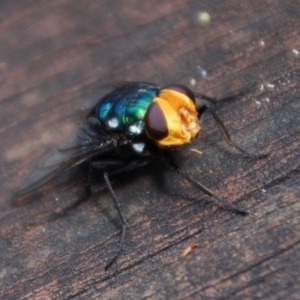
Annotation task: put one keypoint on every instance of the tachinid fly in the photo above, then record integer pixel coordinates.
(135, 124)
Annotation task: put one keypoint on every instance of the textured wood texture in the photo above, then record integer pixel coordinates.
(56, 58)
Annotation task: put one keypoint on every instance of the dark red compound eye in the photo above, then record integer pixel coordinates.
(181, 89)
(155, 122)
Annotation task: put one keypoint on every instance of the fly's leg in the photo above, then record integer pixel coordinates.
(125, 167)
(57, 215)
(172, 165)
(219, 122)
(221, 126)
(86, 194)
(208, 192)
(225, 133)
(239, 93)
(122, 217)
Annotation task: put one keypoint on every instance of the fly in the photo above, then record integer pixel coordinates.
(131, 127)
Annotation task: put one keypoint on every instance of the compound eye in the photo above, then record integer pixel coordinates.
(181, 89)
(155, 122)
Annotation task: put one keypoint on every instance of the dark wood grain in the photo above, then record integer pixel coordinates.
(56, 59)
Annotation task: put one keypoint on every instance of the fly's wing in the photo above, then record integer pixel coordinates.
(123, 85)
(90, 140)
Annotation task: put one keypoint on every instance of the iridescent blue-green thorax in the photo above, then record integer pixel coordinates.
(124, 109)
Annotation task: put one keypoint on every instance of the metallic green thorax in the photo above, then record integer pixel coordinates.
(126, 107)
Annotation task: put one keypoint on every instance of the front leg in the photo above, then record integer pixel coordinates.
(226, 135)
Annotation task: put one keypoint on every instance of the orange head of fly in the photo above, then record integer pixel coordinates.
(172, 119)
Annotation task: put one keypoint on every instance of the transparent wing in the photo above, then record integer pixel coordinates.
(90, 140)
(123, 85)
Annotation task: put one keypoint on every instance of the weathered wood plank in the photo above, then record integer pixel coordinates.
(58, 56)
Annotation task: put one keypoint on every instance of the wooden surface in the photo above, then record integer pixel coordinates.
(56, 58)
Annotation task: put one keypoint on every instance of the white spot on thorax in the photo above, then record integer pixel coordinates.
(136, 128)
(138, 147)
(113, 123)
